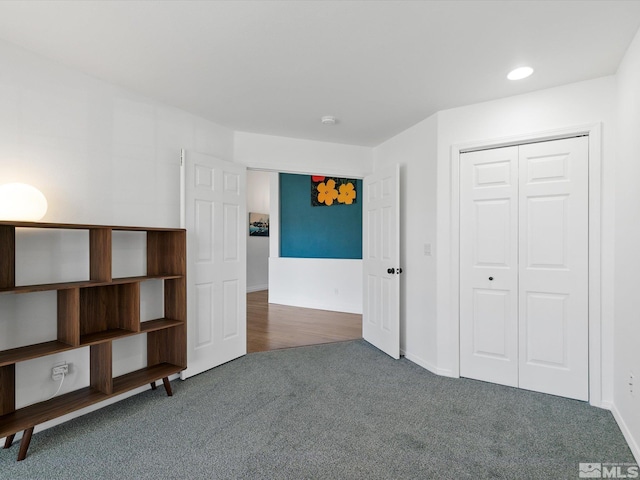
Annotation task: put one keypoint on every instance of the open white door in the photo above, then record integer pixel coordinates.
(381, 260)
(215, 207)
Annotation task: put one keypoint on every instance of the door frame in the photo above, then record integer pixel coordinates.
(594, 132)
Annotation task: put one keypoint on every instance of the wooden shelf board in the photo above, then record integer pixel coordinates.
(29, 352)
(75, 226)
(103, 336)
(44, 411)
(84, 284)
(144, 278)
(70, 402)
(159, 324)
(50, 286)
(144, 376)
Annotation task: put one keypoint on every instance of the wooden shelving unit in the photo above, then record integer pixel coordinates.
(92, 314)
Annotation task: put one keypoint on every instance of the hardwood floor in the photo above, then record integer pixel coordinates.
(271, 326)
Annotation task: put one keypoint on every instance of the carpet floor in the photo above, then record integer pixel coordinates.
(336, 411)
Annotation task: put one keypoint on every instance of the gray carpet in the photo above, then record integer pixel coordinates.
(342, 410)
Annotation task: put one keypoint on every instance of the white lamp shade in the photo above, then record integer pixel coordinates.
(21, 202)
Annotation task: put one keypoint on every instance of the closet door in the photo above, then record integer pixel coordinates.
(553, 276)
(489, 265)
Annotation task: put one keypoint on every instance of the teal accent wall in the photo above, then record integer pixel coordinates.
(317, 232)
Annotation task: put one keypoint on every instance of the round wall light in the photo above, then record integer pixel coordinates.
(520, 73)
(22, 202)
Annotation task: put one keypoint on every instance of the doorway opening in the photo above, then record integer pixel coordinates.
(272, 326)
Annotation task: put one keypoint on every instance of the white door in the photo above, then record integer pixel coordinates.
(489, 265)
(215, 218)
(554, 273)
(381, 260)
(524, 225)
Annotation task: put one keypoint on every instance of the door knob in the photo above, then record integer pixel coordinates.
(391, 270)
(490, 278)
(399, 270)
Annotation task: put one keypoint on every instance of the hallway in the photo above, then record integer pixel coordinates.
(271, 326)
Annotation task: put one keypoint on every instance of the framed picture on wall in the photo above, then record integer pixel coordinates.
(327, 191)
(258, 224)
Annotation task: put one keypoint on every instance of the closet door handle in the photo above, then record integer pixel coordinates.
(391, 271)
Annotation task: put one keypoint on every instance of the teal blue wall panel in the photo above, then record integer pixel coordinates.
(317, 232)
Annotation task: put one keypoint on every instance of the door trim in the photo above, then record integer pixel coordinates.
(594, 132)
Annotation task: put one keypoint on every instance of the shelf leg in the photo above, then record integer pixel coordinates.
(153, 385)
(167, 386)
(9, 440)
(24, 444)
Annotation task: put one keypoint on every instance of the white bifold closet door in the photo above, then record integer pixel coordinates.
(524, 266)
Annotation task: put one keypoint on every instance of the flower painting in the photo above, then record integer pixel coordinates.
(327, 191)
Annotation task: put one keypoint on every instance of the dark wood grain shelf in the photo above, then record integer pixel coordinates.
(79, 226)
(29, 352)
(104, 336)
(84, 284)
(143, 376)
(70, 402)
(44, 411)
(144, 278)
(50, 286)
(93, 313)
(159, 324)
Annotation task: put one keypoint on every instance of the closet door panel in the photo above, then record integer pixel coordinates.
(489, 265)
(553, 267)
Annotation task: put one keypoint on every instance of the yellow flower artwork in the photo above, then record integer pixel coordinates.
(327, 191)
(347, 193)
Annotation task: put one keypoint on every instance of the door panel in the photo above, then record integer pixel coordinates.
(214, 212)
(381, 252)
(554, 232)
(491, 316)
(545, 326)
(488, 249)
(547, 232)
(493, 232)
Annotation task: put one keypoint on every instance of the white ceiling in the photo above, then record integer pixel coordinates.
(275, 67)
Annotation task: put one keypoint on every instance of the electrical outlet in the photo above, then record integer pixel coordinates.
(59, 371)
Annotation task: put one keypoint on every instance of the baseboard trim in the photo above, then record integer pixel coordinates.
(332, 307)
(427, 365)
(633, 445)
(257, 288)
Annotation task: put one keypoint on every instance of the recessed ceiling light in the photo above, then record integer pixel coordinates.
(520, 73)
(328, 120)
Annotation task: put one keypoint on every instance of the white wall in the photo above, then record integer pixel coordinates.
(292, 155)
(258, 201)
(321, 283)
(101, 155)
(289, 281)
(627, 240)
(416, 151)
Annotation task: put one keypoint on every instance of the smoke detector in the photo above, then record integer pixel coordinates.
(328, 120)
